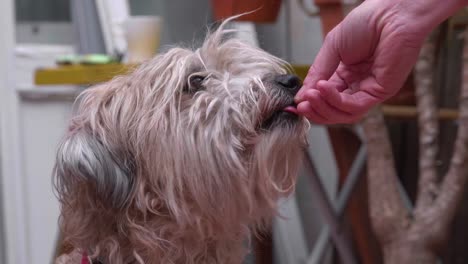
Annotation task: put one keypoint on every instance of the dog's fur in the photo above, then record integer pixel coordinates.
(159, 167)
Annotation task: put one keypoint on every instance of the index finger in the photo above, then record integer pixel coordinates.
(325, 64)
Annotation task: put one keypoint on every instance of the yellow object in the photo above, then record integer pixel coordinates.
(92, 74)
(301, 70)
(80, 74)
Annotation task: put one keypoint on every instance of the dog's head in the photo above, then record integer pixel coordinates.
(194, 143)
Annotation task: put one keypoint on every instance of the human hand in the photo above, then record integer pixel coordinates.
(366, 59)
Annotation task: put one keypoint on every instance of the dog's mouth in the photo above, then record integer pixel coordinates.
(283, 115)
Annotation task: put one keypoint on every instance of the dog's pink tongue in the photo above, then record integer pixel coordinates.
(291, 109)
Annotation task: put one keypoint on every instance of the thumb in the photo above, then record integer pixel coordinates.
(325, 64)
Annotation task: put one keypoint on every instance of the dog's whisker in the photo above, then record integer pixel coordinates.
(197, 52)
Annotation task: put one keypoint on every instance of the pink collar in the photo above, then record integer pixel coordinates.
(84, 259)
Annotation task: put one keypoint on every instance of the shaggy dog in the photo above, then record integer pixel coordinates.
(181, 160)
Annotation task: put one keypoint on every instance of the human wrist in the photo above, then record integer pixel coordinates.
(424, 15)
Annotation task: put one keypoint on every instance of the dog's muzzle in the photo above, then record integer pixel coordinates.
(285, 112)
(288, 82)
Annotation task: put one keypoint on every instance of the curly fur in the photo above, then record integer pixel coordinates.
(152, 172)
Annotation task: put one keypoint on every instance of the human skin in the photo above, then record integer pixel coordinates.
(366, 58)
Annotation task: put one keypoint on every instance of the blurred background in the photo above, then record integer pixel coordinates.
(50, 50)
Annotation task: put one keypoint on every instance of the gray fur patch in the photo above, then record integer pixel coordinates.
(83, 156)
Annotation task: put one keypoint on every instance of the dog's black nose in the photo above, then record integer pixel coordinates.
(290, 82)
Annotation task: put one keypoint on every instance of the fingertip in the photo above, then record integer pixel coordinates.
(322, 84)
(303, 107)
(328, 93)
(299, 97)
(302, 94)
(327, 87)
(311, 94)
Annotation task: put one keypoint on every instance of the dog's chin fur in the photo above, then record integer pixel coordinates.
(155, 169)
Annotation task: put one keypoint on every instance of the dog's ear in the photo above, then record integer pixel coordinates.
(83, 159)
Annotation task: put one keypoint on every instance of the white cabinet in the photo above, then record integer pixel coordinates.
(33, 120)
(42, 119)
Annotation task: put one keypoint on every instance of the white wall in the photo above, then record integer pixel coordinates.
(42, 124)
(12, 233)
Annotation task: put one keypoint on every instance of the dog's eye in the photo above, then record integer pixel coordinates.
(195, 83)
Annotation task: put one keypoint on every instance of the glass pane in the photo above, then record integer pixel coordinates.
(43, 10)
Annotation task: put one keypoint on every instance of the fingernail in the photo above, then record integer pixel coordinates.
(300, 94)
(320, 85)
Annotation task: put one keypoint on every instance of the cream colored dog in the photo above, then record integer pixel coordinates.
(182, 159)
